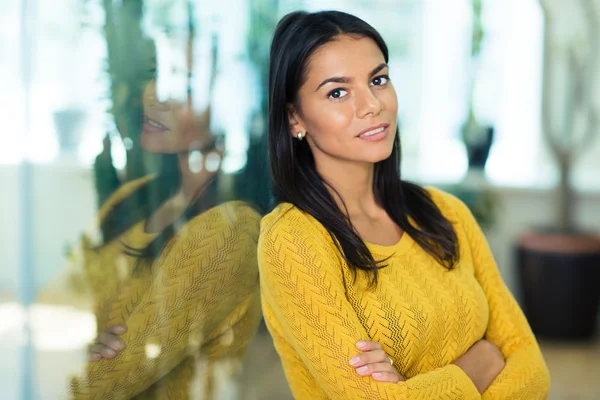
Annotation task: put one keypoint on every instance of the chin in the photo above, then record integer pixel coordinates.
(377, 155)
(154, 146)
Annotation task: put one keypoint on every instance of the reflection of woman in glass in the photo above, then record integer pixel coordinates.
(175, 273)
(373, 287)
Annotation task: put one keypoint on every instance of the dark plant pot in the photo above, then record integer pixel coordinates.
(560, 280)
(478, 140)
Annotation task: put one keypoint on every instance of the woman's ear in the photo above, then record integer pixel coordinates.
(295, 122)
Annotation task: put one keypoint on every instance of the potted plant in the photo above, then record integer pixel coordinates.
(477, 137)
(559, 265)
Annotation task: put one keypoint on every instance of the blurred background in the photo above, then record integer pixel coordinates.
(499, 103)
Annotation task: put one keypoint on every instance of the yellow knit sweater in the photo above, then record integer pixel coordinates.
(190, 315)
(424, 315)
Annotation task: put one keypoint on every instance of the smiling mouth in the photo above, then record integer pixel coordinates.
(373, 131)
(151, 125)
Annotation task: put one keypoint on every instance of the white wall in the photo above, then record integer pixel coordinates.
(9, 229)
(64, 205)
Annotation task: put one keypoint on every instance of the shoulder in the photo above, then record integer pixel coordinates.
(294, 246)
(215, 251)
(287, 218)
(233, 212)
(457, 212)
(223, 238)
(453, 208)
(290, 233)
(233, 216)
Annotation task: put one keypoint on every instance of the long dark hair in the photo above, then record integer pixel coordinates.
(147, 198)
(295, 178)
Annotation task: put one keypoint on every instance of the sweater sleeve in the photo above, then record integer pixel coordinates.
(525, 375)
(203, 303)
(304, 302)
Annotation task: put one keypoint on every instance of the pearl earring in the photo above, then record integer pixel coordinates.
(300, 136)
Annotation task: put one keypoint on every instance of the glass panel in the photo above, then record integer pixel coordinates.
(134, 175)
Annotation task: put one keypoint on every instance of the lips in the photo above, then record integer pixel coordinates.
(374, 130)
(151, 125)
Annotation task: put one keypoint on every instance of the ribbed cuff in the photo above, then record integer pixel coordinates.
(464, 383)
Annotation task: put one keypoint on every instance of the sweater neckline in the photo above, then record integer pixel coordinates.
(401, 247)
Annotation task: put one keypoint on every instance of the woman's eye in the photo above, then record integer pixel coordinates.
(337, 94)
(380, 80)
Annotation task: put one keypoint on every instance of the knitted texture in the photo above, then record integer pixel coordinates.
(190, 314)
(423, 314)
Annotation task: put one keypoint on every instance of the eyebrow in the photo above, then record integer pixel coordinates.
(343, 79)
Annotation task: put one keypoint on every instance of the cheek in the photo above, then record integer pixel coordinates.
(153, 143)
(389, 100)
(187, 134)
(330, 120)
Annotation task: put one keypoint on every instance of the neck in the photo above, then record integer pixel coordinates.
(354, 183)
(191, 182)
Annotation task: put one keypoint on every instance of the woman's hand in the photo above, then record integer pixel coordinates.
(483, 362)
(374, 362)
(108, 344)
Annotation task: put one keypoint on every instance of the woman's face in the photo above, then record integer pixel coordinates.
(170, 127)
(347, 106)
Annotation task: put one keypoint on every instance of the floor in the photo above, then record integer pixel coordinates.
(263, 377)
(574, 370)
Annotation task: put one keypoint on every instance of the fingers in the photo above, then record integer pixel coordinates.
(374, 354)
(98, 351)
(108, 344)
(117, 329)
(367, 345)
(382, 372)
(375, 362)
(111, 341)
(369, 369)
(370, 357)
(392, 377)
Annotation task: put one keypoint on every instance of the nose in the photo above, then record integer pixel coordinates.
(367, 103)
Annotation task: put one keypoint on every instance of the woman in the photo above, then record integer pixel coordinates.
(173, 279)
(372, 287)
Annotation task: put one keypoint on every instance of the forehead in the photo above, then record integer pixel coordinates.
(345, 56)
